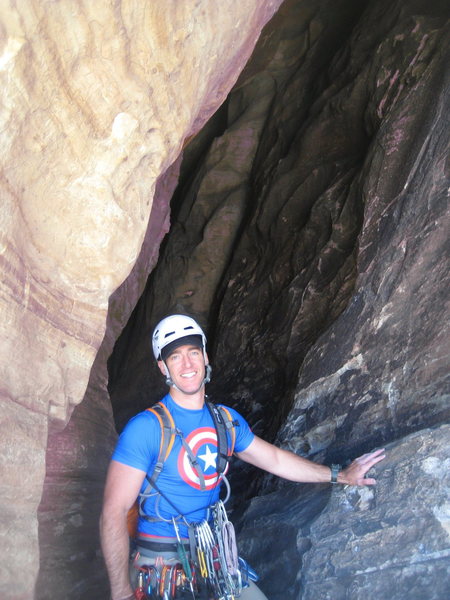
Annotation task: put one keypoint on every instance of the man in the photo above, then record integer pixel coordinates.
(178, 504)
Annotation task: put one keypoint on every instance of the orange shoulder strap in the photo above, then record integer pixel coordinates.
(230, 425)
(167, 426)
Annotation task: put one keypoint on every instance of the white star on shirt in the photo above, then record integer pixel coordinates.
(209, 458)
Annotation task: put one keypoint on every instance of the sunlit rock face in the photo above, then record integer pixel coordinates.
(97, 101)
(311, 241)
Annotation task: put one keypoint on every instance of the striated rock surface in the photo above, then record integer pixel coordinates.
(78, 456)
(399, 537)
(391, 541)
(97, 101)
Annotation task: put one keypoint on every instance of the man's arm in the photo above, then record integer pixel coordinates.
(122, 488)
(296, 468)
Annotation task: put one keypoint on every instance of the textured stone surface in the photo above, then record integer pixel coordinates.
(119, 91)
(22, 467)
(391, 541)
(394, 541)
(77, 457)
(97, 101)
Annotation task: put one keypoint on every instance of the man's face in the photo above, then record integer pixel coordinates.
(186, 366)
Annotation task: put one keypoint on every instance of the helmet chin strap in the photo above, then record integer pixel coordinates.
(170, 382)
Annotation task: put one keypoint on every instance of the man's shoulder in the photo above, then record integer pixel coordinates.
(143, 419)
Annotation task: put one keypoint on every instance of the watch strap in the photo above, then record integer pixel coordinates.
(335, 469)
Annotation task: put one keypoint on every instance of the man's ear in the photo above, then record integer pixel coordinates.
(206, 359)
(162, 367)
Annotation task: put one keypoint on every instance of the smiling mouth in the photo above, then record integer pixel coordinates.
(189, 375)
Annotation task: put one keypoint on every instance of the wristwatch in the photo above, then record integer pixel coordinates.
(335, 469)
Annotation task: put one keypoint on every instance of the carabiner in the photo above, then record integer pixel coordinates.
(202, 563)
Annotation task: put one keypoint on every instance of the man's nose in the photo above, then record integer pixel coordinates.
(186, 360)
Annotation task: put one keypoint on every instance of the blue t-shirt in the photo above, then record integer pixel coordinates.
(138, 447)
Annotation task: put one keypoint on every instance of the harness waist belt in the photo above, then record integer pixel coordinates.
(159, 546)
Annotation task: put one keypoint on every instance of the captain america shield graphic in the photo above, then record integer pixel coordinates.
(203, 443)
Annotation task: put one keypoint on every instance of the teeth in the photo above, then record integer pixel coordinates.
(188, 375)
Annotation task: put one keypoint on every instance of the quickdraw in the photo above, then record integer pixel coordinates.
(227, 539)
(184, 559)
(217, 554)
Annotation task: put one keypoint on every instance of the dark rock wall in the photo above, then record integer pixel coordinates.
(378, 375)
(310, 238)
(389, 542)
(392, 541)
(254, 218)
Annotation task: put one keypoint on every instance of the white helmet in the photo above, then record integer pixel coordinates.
(175, 331)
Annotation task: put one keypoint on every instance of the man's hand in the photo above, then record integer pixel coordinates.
(355, 473)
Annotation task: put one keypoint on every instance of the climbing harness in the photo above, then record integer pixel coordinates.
(210, 571)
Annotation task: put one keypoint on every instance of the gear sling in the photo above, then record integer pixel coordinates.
(213, 571)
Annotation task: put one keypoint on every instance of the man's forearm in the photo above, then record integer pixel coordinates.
(115, 547)
(290, 466)
(284, 463)
(299, 469)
